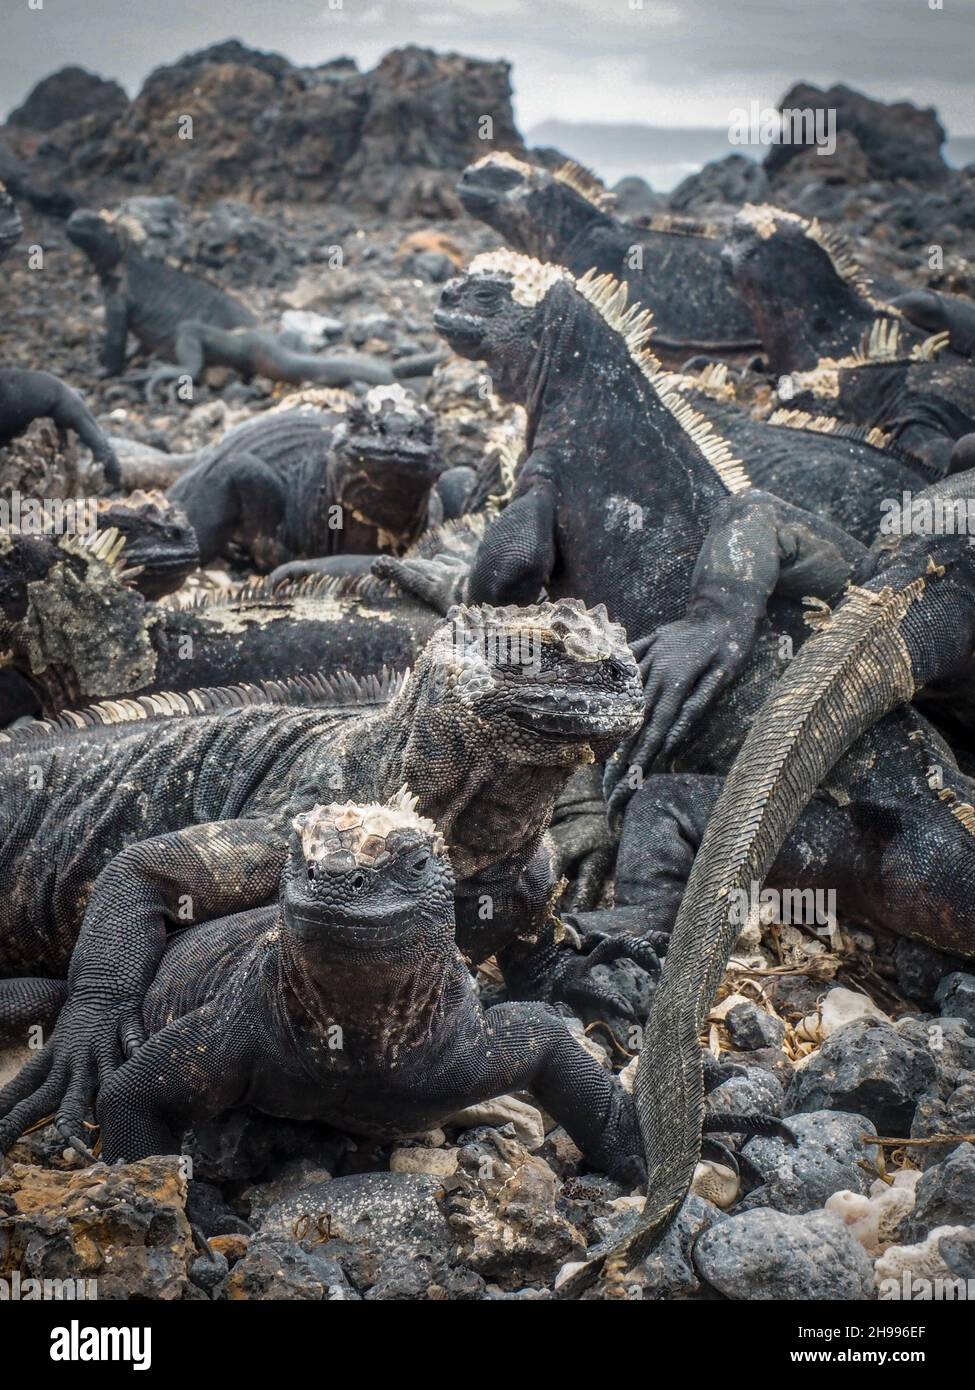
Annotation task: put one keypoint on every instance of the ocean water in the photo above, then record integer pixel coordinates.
(666, 156)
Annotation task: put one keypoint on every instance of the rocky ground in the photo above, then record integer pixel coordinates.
(851, 1038)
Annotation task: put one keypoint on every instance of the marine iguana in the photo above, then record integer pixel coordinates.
(709, 645)
(359, 946)
(842, 472)
(838, 716)
(75, 630)
(300, 482)
(922, 397)
(588, 514)
(198, 325)
(27, 395)
(672, 265)
(112, 834)
(11, 226)
(809, 296)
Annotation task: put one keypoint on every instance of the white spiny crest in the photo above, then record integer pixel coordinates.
(829, 424)
(584, 182)
(362, 830)
(531, 280)
(397, 394)
(635, 326)
(504, 160)
(764, 219)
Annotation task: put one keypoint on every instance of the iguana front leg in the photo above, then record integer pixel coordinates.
(116, 333)
(194, 1068)
(758, 545)
(204, 871)
(517, 555)
(529, 1048)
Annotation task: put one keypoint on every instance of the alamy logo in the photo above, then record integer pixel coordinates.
(918, 1290)
(793, 907)
(927, 516)
(77, 1343)
(764, 125)
(16, 1289)
(58, 516)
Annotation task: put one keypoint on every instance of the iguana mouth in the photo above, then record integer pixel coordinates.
(569, 715)
(326, 926)
(461, 330)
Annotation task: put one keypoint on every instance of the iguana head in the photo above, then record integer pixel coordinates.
(95, 234)
(492, 313)
(159, 539)
(385, 461)
(366, 879)
(11, 226)
(806, 293)
(535, 211)
(546, 684)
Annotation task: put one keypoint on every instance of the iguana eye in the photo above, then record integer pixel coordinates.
(420, 864)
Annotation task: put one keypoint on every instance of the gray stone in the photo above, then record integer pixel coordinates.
(955, 1115)
(758, 1092)
(950, 1044)
(945, 1195)
(751, 1027)
(280, 1268)
(958, 1253)
(955, 996)
(865, 1069)
(776, 1255)
(669, 1271)
(825, 1160)
(377, 1212)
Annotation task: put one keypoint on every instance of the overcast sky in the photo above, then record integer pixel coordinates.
(665, 62)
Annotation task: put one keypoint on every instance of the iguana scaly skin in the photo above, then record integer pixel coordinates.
(808, 295)
(112, 834)
(591, 516)
(842, 472)
(27, 395)
(908, 620)
(76, 630)
(673, 265)
(359, 946)
(925, 399)
(306, 482)
(197, 325)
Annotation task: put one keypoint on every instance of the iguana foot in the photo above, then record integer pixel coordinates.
(572, 982)
(713, 1151)
(684, 666)
(438, 582)
(85, 1048)
(156, 378)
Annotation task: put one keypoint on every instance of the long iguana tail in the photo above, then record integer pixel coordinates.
(887, 639)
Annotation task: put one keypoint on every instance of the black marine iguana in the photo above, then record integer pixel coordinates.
(712, 624)
(837, 720)
(197, 325)
(673, 265)
(360, 946)
(113, 833)
(75, 629)
(810, 298)
(924, 398)
(301, 482)
(27, 395)
(842, 472)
